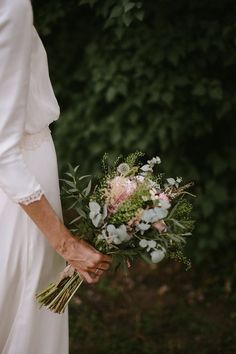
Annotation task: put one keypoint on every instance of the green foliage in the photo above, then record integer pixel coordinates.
(134, 158)
(128, 209)
(162, 82)
(182, 212)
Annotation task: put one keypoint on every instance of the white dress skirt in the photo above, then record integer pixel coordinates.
(28, 263)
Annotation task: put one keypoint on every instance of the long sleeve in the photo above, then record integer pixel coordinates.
(16, 25)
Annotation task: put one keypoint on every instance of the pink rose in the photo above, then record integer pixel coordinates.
(121, 188)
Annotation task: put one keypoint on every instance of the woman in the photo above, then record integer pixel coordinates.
(34, 243)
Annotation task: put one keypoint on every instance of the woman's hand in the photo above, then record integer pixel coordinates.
(90, 263)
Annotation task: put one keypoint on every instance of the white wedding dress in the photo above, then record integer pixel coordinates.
(28, 169)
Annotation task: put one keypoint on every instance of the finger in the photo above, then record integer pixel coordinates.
(96, 272)
(88, 278)
(101, 266)
(103, 258)
(106, 258)
(104, 266)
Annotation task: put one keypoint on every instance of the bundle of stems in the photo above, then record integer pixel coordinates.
(57, 295)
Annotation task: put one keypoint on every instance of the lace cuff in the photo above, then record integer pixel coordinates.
(31, 198)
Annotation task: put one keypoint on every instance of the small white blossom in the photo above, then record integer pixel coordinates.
(117, 235)
(151, 244)
(145, 198)
(142, 227)
(179, 179)
(171, 181)
(153, 193)
(165, 204)
(154, 161)
(146, 168)
(157, 255)
(143, 243)
(95, 215)
(140, 178)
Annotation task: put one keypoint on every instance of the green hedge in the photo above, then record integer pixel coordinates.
(158, 76)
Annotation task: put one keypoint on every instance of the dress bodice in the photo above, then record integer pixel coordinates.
(27, 101)
(42, 105)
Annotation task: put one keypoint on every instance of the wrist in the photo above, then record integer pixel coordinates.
(64, 243)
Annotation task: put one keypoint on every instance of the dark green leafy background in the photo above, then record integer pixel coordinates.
(157, 76)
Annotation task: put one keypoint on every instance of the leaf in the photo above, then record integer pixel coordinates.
(76, 219)
(139, 5)
(129, 6)
(68, 174)
(116, 11)
(72, 190)
(146, 258)
(216, 93)
(83, 177)
(167, 97)
(177, 238)
(91, 3)
(140, 15)
(72, 205)
(116, 262)
(69, 183)
(127, 19)
(110, 94)
(176, 222)
(81, 212)
(199, 90)
(87, 190)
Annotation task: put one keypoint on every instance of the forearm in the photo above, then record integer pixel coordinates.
(43, 215)
(82, 256)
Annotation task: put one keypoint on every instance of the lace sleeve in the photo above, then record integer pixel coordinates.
(31, 198)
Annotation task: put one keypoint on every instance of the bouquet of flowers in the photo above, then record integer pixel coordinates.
(133, 211)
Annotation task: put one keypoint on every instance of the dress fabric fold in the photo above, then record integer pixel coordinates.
(28, 169)
(28, 264)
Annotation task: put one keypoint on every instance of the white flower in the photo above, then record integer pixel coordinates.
(117, 235)
(94, 207)
(165, 204)
(146, 168)
(153, 193)
(179, 179)
(143, 243)
(140, 178)
(150, 244)
(154, 214)
(95, 213)
(157, 255)
(161, 213)
(171, 181)
(149, 216)
(143, 227)
(154, 161)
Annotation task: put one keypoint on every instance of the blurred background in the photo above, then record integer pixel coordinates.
(156, 76)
